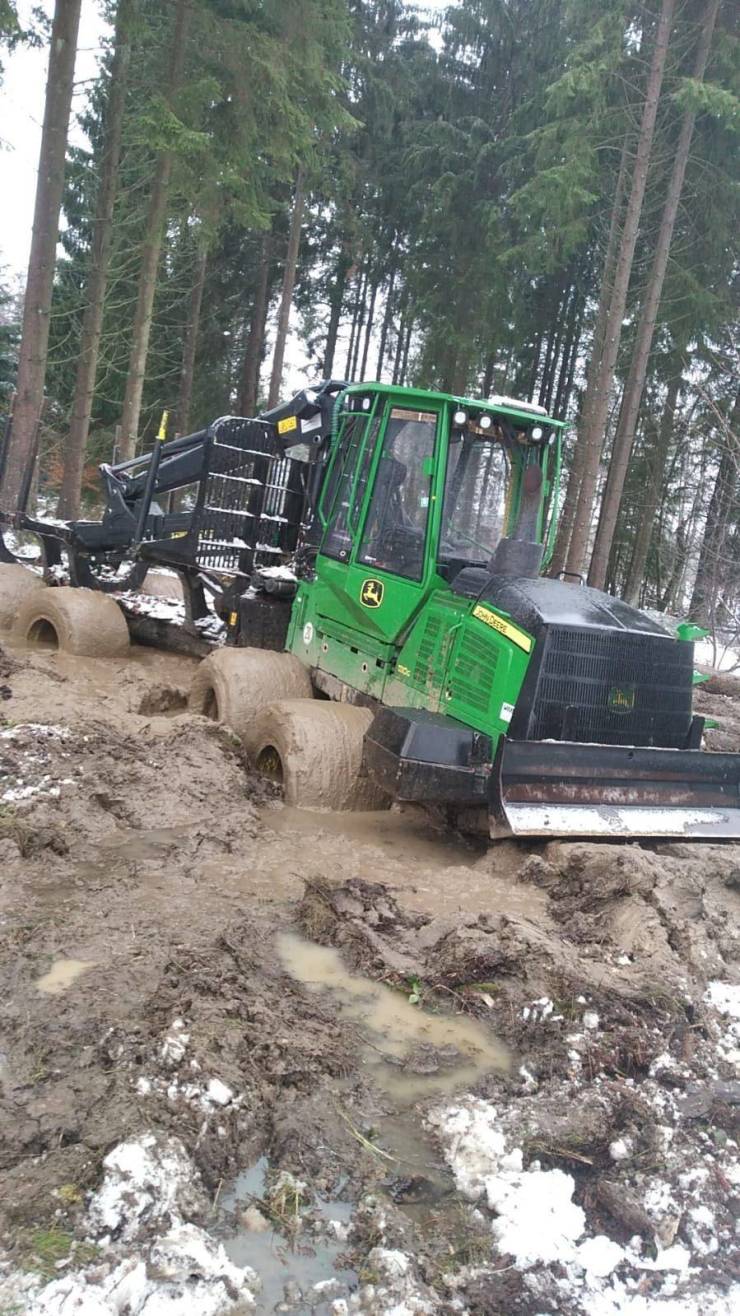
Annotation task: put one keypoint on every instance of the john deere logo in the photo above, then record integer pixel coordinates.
(622, 698)
(371, 593)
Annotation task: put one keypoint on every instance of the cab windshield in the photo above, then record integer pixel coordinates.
(475, 496)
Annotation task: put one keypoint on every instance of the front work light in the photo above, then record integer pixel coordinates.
(537, 432)
(460, 418)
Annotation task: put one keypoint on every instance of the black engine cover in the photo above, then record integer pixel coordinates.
(601, 671)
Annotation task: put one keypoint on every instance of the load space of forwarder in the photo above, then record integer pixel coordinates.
(386, 546)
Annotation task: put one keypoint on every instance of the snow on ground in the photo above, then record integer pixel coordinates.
(172, 610)
(535, 1220)
(725, 997)
(709, 653)
(26, 770)
(151, 1262)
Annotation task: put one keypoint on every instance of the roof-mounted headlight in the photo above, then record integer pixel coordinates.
(459, 418)
(485, 422)
(537, 433)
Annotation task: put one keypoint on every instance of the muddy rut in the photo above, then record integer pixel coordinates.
(340, 1050)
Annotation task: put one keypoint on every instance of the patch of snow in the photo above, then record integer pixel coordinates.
(591, 1020)
(539, 1010)
(183, 1273)
(397, 1293)
(148, 1179)
(218, 1093)
(175, 1044)
(277, 573)
(537, 1222)
(722, 658)
(600, 1255)
(725, 998)
(620, 1149)
(529, 1082)
(39, 730)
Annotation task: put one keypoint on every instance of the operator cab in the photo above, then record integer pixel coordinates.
(420, 489)
(411, 466)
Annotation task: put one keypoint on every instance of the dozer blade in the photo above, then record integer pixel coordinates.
(557, 788)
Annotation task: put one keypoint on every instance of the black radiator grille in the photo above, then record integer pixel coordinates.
(612, 687)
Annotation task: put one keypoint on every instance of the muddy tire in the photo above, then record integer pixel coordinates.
(16, 585)
(74, 621)
(314, 750)
(234, 685)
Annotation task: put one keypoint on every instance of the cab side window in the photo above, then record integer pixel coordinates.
(347, 484)
(394, 538)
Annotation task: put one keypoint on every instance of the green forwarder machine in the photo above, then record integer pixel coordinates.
(376, 554)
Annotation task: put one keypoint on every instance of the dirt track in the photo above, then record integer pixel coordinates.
(135, 844)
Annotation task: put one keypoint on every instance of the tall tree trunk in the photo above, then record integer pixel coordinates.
(190, 344)
(368, 329)
(400, 336)
(92, 321)
(359, 282)
(596, 404)
(336, 302)
(712, 568)
(253, 352)
(571, 343)
(359, 323)
(635, 386)
(151, 248)
(657, 463)
(406, 349)
(40, 282)
(568, 512)
(286, 295)
(387, 317)
(487, 385)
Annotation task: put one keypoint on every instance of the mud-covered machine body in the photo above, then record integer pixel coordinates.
(393, 541)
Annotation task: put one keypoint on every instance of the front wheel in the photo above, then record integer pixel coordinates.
(234, 685)
(314, 750)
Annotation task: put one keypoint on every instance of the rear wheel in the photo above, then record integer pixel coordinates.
(234, 685)
(74, 621)
(314, 750)
(16, 585)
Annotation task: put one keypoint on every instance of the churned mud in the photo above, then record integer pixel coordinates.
(254, 1059)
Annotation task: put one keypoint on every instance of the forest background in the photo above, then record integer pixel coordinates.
(536, 198)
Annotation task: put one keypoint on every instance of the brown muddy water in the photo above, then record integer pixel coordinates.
(401, 834)
(413, 1054)
(62, 974)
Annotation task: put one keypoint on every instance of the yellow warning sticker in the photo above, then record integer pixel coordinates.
(503, 627)
(233, 618)
(287, 424)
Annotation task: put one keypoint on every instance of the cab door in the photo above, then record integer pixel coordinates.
(375, 563)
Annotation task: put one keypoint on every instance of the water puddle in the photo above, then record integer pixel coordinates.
(143, 843)
(413, 1053)
(287, 1268)
(62, 974)
(401, 835)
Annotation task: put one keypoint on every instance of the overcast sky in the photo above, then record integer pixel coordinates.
(21, 114)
